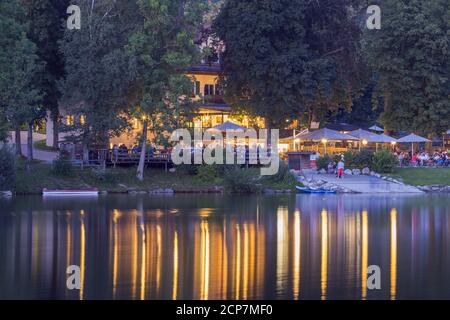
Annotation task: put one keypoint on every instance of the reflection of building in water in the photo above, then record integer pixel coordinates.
(317, 249)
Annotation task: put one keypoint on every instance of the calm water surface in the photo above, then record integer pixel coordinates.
(226, 247)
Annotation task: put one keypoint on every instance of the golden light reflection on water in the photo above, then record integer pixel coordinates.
(393, 268)
(297, 256)
(365, 253)
(282, 251)
(324, 255)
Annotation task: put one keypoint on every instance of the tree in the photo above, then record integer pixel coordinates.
(160, 52)
(19, 63)
(410, 56)
(97, 81)
(286, 58)
(46, 30)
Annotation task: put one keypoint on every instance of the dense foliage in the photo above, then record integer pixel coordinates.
(7, 168)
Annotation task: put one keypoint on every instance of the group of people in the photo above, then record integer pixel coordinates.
(424, 159)
(337, 168)
(136, 149)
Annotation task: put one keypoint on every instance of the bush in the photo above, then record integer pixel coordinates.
(284, 177)
(7, 168)
(189, 169)
(384, 162)
(62, 166)
(208, 173)
(322, 162)
(358, 160)
(238, 180)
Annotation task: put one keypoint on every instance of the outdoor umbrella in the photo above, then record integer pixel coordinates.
(412, 138)
(448, 132)
(326, 134)
(386, 139)
(366, 135)
(376, 128)
(229, 126)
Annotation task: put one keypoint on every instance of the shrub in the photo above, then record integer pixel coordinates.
(283, 178)
(208, 173)
(7, 168)
(363, 159)
(322, 162)
(239, 180)
(62, 165)
(384, 162)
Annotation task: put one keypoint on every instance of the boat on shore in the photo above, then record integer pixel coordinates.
(59, 193)
(314, 191)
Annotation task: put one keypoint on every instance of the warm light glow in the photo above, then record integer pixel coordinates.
(324, 255)
(297, 140)
(365, 253)
(324, 141)
(365, 142)
(282, 248)
(393, 143)
(393, 253)
(297, 248)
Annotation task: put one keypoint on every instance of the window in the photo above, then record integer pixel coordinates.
(197, 88)
(209, 89)
(82, 119)
(70, 120)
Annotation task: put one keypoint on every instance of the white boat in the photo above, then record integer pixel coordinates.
(59, 193)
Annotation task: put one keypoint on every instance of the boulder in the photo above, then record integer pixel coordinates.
(348, 172)
(366, 171)
(172, 170)
(322, 171)
(356, 172)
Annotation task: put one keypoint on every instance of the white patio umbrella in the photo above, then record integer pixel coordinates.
(366, 135)
(412, 138)
(386, 139)
(229, 126)
(376, 128)
(324, 135)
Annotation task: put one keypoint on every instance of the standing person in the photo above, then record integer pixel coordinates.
(341, 167)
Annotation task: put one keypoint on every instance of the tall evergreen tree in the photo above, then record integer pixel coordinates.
(411, 58)
(46, 27)
(19, 97)
(161, 51)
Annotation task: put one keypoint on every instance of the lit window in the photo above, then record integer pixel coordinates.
(82, 119)
(70, 120)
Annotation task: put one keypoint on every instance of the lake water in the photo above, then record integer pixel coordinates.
(226, 247)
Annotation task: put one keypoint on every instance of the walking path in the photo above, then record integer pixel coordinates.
(362, 184)
(46, 156)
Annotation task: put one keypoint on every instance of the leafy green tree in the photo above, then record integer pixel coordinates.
(19, 98)
(45, 18)
(98, 72)
(160, 51)
(286, 58)
(411, 58)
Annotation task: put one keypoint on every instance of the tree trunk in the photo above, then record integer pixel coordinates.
(141, 166)
(429, 145)
(18, 142)
(30, 142)
(55, 119)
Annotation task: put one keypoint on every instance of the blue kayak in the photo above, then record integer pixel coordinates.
(311, 190)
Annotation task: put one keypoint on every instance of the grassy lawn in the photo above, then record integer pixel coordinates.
(39, 175)
(423, 176)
